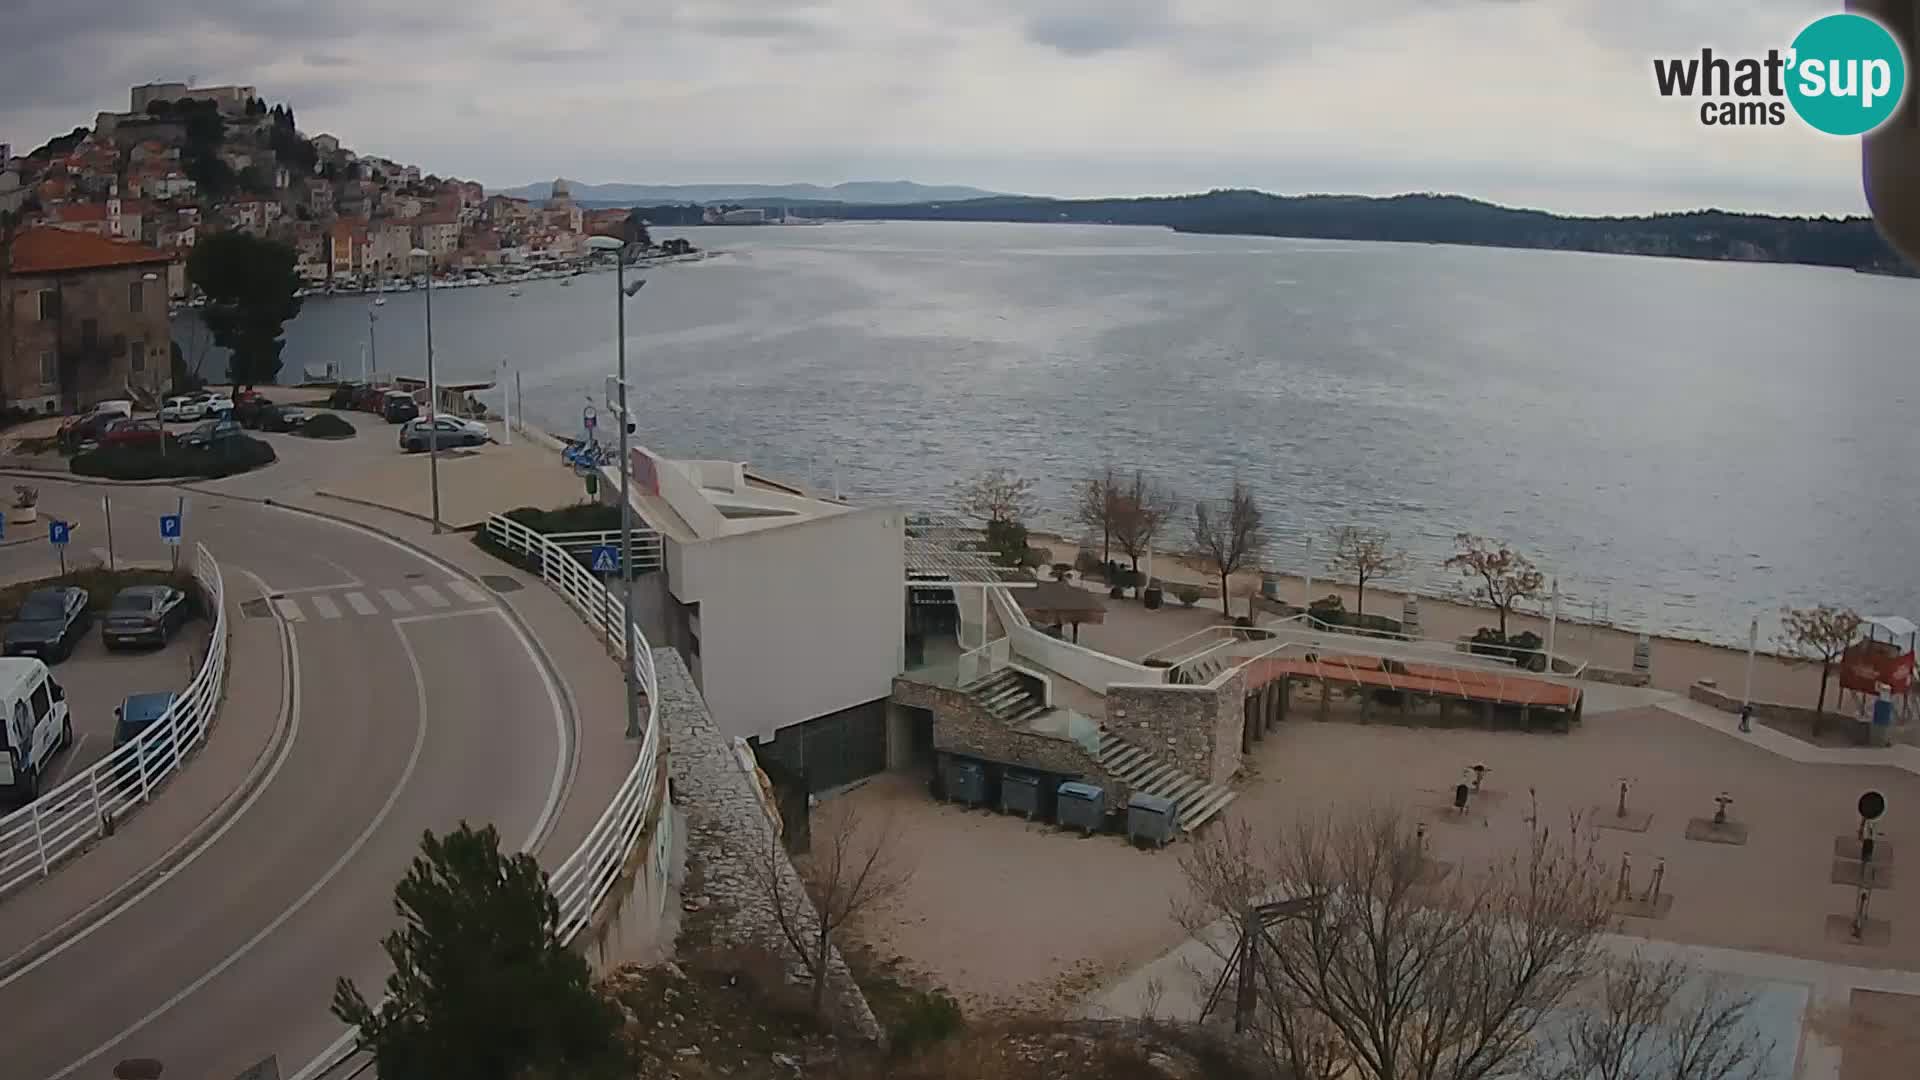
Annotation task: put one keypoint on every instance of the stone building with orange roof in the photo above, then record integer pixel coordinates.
(83, 318)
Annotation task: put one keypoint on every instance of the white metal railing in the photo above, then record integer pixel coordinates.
(65, 819)
(646, 545)
(585, 878)
(977, 664)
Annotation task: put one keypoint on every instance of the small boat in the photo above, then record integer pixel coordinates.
(379, 301)
(566, 281)
(513, 291)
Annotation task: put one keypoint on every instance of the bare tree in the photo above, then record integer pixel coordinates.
(1142, 510)
(1095, 508)
(1506, 576)
(849, 870)
(1660, 1020)
(997, 496)
(1406, 970)
(1229, 537)
(1819, 633)
(1364, 554)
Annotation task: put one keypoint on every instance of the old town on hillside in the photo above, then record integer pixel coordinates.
(98, 224)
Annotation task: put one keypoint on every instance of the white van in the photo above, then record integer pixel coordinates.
(34, 726)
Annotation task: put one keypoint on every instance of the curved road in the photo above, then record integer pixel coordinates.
(415, 703)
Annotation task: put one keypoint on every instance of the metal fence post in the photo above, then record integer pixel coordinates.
(39, 839)
(140, 756)
(99, 807)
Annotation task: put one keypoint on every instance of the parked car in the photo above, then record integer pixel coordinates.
(137, 713)
(182, 409)
(247, 409)
(218, 404)
(143, 613)
(133, 433)
(49, 623)
(415, 435)
(211, 432)
(346, 395)
(399, 407)
(281, 418)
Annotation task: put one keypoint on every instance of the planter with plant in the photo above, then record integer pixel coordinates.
(26, 503)
(1188, 595)
(1117, 592)
(1062, 571)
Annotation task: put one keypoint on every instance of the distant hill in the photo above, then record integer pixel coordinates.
(867, 192)
(1851, 243)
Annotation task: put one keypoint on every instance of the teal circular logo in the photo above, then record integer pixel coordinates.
(1848, 74)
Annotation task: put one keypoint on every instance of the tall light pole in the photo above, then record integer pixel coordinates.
(433, 397)
(621, 293)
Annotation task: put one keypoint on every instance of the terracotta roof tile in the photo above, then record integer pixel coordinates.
(43, 250)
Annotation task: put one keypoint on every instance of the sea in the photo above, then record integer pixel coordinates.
(1682, 446)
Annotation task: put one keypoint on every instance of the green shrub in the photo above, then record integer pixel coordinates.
(1329, 609)
(236, 454)
(1087, 563)
(580, 517)
(1188, 595)
(327, 426)
(927, 1018)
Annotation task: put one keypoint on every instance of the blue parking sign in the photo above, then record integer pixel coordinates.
(58, 532)
(606, 559)
(170, 528)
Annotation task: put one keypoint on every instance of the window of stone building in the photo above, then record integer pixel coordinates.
(49, 368)
(49, 305)
(137, 355)
(89, 333)
(134, 297)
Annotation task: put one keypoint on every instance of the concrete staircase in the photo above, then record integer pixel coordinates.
(1201, 671)
(1197, 800)
(1008, 695)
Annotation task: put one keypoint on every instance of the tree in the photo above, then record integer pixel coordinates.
(1364, 554)
(249, 284)
(1394, 967)
(1095, 508)
(1819, 633)
(1659, 1020)
(1506, 576)
(1141, 510)
(1229, 537)
(483, 987)
(850, 873)
(997, 496)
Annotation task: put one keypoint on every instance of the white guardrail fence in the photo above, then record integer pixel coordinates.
(588, 875)
(66, 818)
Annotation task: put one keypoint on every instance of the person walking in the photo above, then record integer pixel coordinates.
(1746, 716)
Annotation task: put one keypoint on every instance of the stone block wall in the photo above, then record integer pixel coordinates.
(1762, 710)
(729, 831)
(1193, 728)
(962, 726)
(1616, 678)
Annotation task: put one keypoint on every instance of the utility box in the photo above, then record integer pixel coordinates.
(1082, 806)
(1020, 794)
(1151, 820)
(966, 781)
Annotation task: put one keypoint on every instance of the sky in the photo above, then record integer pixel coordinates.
(1538, 103)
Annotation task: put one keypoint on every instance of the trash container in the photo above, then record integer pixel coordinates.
(1082, 806)
(1151, 819)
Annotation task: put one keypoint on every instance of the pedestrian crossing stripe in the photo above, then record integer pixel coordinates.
(432, 597)
(399, 602)
(396, 601)
(361, 605)
(466, 591)
(324, 605)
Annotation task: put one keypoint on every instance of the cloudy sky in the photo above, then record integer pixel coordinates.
(1546, 103)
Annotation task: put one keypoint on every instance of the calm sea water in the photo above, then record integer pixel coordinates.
(1684, 445)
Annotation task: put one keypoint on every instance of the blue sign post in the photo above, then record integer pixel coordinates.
(170, 529)
(58, 533)
(606, 559)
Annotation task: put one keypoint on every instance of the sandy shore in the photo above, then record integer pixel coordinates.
(1677, 662)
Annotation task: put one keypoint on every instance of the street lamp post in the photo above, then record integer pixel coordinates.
(621, 294)
(433, 397)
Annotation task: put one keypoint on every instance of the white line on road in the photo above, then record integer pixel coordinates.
(288, 608)
(324, 605)
(73, 755)
(396, 601)
(379, 819)
(431, 596)
(361, 605)
(466, 591)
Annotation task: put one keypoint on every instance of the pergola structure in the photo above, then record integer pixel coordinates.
(1056, 603)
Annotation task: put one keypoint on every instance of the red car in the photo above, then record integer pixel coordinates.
(133, 433)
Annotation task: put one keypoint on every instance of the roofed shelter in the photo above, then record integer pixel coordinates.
(1058, 604)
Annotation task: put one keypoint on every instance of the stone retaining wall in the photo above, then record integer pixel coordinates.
(729, 831)
(1196, 729)
(962, 726)
(1617, 678)
(1762, 710)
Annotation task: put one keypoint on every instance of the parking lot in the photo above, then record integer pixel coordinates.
(97, 681)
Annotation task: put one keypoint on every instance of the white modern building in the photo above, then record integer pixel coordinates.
(787, 605)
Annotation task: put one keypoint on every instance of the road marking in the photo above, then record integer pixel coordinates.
(396, 601)
(361, 605)
(386, 808)
(324, 604)
(289, 608)
(431, 596)
(290, 715)
(73, 755)
(466, 591)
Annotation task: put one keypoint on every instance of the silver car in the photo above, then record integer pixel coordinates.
(144, 614)
(450, 431)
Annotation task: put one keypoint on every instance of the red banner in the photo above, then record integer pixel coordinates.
(1868, 665)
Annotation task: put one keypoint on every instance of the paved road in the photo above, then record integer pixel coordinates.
(417, 704)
